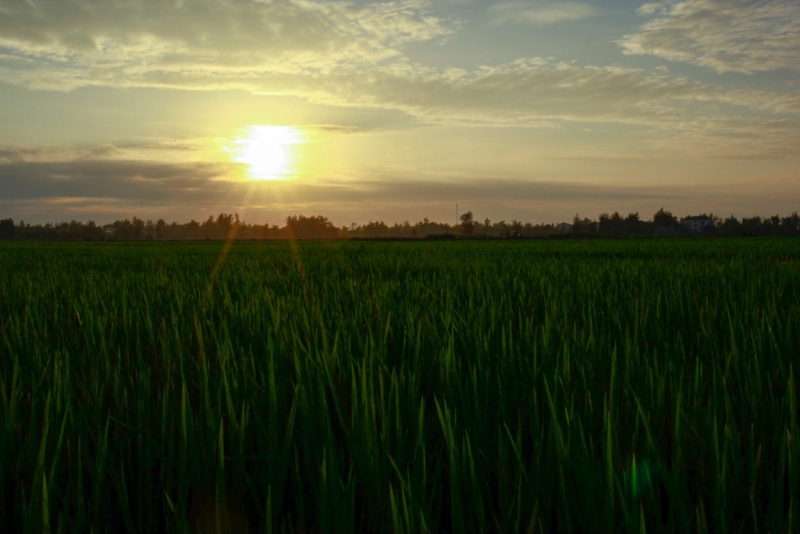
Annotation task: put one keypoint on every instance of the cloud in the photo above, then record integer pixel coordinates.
(44, 154)
(95, 42)
(744, 36)
(317, 131)
(731, 138)
(62, 183)
(199, 186)
(348, 55)
(649, 9)
(535, 92)
(132, 181)
(530, 92)
(539, 13)
(109, 190)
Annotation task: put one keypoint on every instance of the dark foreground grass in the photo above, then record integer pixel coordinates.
(624, 386)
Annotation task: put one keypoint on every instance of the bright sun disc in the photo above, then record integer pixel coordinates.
(267, 151)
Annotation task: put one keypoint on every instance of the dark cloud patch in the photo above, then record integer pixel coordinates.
(337, 129)
(59, 153)
(200, 183)
(161, 145)
(131, 180)
(51, 191)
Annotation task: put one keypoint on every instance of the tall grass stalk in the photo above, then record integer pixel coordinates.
(616, 386)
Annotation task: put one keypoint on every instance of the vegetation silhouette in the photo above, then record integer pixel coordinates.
(227, 226)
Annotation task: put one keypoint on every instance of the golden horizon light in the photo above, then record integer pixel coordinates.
(526, 110)
(267, 151)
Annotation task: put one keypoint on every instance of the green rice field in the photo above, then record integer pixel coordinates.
(623, 386)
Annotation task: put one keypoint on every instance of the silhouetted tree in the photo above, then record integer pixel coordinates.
(91, 231)
(774, 224)
(224, 224)
(663, 218)
(731, 226)
(634, 225)
(138, 228)
(752, 226)
(374, 229)
(427, 227)
(611, 225)
(123, 229)
(316, 227)
(583, 226)
(791, 224)
(528, 229)
(7, 229)
(467, 223)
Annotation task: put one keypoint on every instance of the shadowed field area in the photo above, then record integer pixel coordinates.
(584, 386)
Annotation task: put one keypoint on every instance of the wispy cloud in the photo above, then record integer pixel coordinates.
(95, 42)
(46, 154)
(731, 138)
(539, 13)
(341, 54)
(535, 92)
(318, 131)
(528, 93)
(725, 35)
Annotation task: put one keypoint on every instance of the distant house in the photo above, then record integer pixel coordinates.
(698, 224)
(108, 229)
(563, 227)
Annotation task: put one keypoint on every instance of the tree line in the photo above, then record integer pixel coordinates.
(229, 226)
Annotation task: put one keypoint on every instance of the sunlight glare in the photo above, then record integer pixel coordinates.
(267, 151)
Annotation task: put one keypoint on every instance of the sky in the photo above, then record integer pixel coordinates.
(533, 110)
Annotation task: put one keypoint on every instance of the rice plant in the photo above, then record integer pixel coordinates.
(611, 386)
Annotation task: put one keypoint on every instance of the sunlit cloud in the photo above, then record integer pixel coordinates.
(382, 75)
(725, 35)
(539, 13)
(734, 138)
(534, 93)
(340, 54)
(94, 42)
(530, 92)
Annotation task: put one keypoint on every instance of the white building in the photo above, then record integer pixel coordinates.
(698, 224)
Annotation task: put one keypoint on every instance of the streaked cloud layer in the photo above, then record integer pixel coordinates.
(61, 45)
(724, 35)
(397, 97)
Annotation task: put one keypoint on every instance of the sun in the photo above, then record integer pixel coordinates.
(267, 151)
